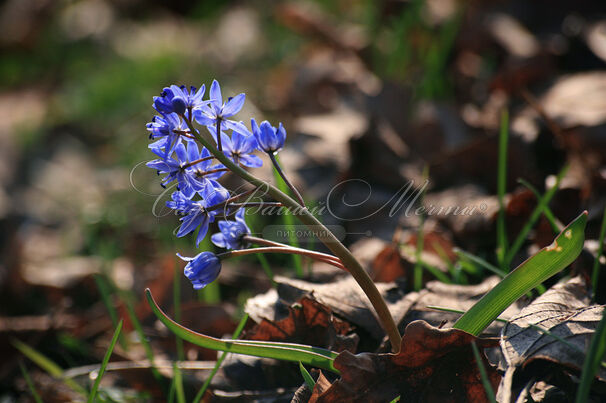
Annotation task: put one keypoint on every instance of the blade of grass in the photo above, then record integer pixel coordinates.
(501, 188)
(454, 273)
(171, 389)
(437, 273)
(140, 333)
(106, 295)
(177, 305)
(547, 211)
(485, 381)
(595, 273)
(178, 383)
(418, 267)
(289, 222)
(309, 381)
(595, 355)
(478, 260)
(315, 356)
(47, 365)
(93, 393)
(548, 261)
(210, 377)
(30, 384)
(125, 298)
(534, 216)
(266, 267)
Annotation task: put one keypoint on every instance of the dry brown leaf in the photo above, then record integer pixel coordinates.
(308, 322)
(458, 297)
(346, 299)
(321, 386)
(433, 365)
(565, 312)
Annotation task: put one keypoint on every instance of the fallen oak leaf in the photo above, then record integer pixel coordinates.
(347, 300)
(308, 322)
(432, 365)
(321, 386)
(564, 312)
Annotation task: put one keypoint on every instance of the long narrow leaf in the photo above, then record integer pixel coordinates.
(108, 353)
(30, 383)
(546, 211)
(485, 381)
(595, 273)
(547, 262)
(220, 361)
(542, 203)
(315, 356)
(501, 188)
(307, 377)
(47, 365)
(594, 357)
(289, 222)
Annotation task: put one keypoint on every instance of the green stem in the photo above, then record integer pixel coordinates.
(285, 179)
(327, 238)
(267, 242)
(288, 250)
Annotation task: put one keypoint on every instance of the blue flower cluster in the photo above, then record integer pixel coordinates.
(194, 170)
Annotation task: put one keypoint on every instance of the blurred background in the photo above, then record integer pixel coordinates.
(372, 90)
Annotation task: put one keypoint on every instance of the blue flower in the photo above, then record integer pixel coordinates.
(268, 137)
(176, 168)
(168, 128)
(195, 213)
(202, 269)
(177, 100)
(169, 102)
(216, 110)
(198, 176)
(173, 167)
(231, 233)
(240, 146)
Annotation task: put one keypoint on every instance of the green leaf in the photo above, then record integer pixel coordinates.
(485, 381)
(547, 262)
(595, 273)
(501, 188)
(542, 204)
(210, 377)
(47, 365)
(307, 377)
(594, 357)
(30, 384)
(108, 353)
(314, 356)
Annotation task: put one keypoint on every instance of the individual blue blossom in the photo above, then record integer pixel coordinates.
(240, 147)
(168, 129)
(175, 168)
(200, 165)
(202, 269)
(195, 212)
(269, 138)
(170, 102)
(175, 99)
(217, 111)
(232, 232)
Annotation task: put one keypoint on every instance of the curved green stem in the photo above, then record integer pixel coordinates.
(267, 242)
(326, 237)
(288, 250)
(292, 187)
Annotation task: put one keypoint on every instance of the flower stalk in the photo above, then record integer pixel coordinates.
(285, 179)
(327, 238)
